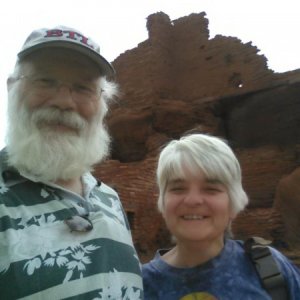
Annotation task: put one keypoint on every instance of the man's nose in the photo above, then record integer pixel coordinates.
(63, 98)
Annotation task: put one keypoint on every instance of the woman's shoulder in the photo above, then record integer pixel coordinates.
(156, 263)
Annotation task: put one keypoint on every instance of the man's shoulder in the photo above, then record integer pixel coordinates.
(107, 189)
(97, 185)
(3, 163)
(9, 176)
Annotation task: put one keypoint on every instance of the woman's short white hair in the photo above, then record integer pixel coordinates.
(206, 153)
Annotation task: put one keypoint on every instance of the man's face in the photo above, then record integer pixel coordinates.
(55, 115)
(60, 79)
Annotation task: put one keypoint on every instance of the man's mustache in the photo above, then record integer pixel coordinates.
(55, 116)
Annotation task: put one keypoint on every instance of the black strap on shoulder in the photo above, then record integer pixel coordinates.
(266, 267)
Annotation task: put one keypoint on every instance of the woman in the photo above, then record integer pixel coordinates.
(200, 193)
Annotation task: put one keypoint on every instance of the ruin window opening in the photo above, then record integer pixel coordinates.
(131, 218)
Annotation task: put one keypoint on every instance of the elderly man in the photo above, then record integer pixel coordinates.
(63, 234)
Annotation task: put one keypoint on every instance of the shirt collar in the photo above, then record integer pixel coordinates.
(8, 173)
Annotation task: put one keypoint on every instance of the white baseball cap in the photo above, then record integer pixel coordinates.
(65, 37)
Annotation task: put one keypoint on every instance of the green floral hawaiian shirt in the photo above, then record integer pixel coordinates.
(42, 258)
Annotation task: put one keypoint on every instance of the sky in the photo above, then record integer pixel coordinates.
(120, 25)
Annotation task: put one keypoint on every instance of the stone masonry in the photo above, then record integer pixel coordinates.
(180, 80)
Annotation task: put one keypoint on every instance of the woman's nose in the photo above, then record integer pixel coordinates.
(194, 197)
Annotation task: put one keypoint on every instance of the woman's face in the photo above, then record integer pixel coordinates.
(197, 209)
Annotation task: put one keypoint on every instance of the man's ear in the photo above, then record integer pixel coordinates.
(9, 83)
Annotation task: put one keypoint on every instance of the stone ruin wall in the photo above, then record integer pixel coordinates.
(180, 80)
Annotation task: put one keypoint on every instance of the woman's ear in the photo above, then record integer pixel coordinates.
(232, 216)
(162, 211)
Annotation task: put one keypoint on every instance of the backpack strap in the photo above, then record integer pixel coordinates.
(266, 268)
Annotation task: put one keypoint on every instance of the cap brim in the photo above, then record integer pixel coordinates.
(105, 67)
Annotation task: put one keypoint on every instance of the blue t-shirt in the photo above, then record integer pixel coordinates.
(230, 275)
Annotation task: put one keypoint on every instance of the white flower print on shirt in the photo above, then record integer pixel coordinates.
(113, 291)
(72, 259)
(3, 188)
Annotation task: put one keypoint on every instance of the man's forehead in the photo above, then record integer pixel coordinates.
(64, 58)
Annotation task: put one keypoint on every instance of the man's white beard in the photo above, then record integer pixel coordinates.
(45, 155)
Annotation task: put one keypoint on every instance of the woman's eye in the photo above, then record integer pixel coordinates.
(213, 189)
(177, 189)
